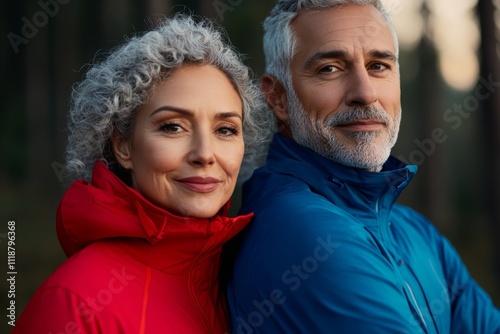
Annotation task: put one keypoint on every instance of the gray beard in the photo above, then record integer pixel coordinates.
(319, 136)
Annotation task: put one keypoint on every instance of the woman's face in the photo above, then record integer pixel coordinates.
(187, 146)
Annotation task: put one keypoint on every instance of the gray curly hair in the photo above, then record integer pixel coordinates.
(279, 40)
(106, 100)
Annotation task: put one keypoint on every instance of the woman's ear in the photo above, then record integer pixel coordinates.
(275, 95)
(122, 151)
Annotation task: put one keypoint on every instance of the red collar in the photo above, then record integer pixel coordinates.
(108, 208)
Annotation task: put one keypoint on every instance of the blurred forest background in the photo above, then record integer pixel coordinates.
(450, 72)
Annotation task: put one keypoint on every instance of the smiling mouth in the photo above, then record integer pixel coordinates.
(362, 125)
(199, 184)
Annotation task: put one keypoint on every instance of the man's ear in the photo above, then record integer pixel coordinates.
(121, 149)
(275, 95)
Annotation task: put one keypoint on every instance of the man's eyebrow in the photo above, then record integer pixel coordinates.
(333, 54)
(339, 54)
(383, 54)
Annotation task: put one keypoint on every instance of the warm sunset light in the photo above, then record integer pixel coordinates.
(407, 20)
(452, 27)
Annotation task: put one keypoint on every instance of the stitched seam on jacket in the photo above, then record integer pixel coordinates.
(147, 284)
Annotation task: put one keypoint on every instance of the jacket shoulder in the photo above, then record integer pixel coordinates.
(82, 294)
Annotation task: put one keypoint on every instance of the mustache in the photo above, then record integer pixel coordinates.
(358, 114)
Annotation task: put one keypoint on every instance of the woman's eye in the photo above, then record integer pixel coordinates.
(171, 127)
(227, 131)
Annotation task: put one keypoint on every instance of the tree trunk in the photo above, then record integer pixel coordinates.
(490, 71)
(115, 20)
(67, 60)
(38, 94)
(434, 168)
(156, 9)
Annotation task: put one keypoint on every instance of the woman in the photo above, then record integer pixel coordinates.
(164, 122)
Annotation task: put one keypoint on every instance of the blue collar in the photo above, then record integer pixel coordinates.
(369, 194)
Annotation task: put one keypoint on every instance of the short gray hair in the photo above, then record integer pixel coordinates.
(279, 39)
(105, 102)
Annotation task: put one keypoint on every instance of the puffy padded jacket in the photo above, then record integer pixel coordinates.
(132, 268)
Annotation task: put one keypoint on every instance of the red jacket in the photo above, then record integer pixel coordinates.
(132, 268)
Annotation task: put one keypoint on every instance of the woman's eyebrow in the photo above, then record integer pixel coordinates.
(188, 113)
(172, 108)
(228, 114)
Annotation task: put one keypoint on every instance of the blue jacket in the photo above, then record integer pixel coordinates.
(329, 251)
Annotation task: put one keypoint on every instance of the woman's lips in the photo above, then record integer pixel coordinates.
(200, 184)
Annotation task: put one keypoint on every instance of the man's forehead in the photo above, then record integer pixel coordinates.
(343, 27)
(366, 19)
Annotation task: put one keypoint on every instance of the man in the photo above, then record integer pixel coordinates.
(328, 250)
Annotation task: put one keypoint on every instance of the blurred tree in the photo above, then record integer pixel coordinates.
(36, 79)
(490, 71)
(156, 8)
(67, 56)
(12, 117)
(115, 16)
(38, 99)
(434, 167)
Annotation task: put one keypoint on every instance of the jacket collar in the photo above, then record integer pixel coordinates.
(108, 208)
(369, 194)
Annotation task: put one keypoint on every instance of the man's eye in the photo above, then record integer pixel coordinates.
(378, 66)
(328, 69)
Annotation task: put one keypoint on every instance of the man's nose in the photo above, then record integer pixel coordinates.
(361, 91)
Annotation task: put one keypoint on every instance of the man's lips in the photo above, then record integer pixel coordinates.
(200, 184)
(363, 125)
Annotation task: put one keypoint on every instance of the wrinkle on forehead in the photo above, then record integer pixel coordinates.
(362, 27)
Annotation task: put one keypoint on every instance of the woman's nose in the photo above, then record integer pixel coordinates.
(202, 150)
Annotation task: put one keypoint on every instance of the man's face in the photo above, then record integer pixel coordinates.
(345, 101)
